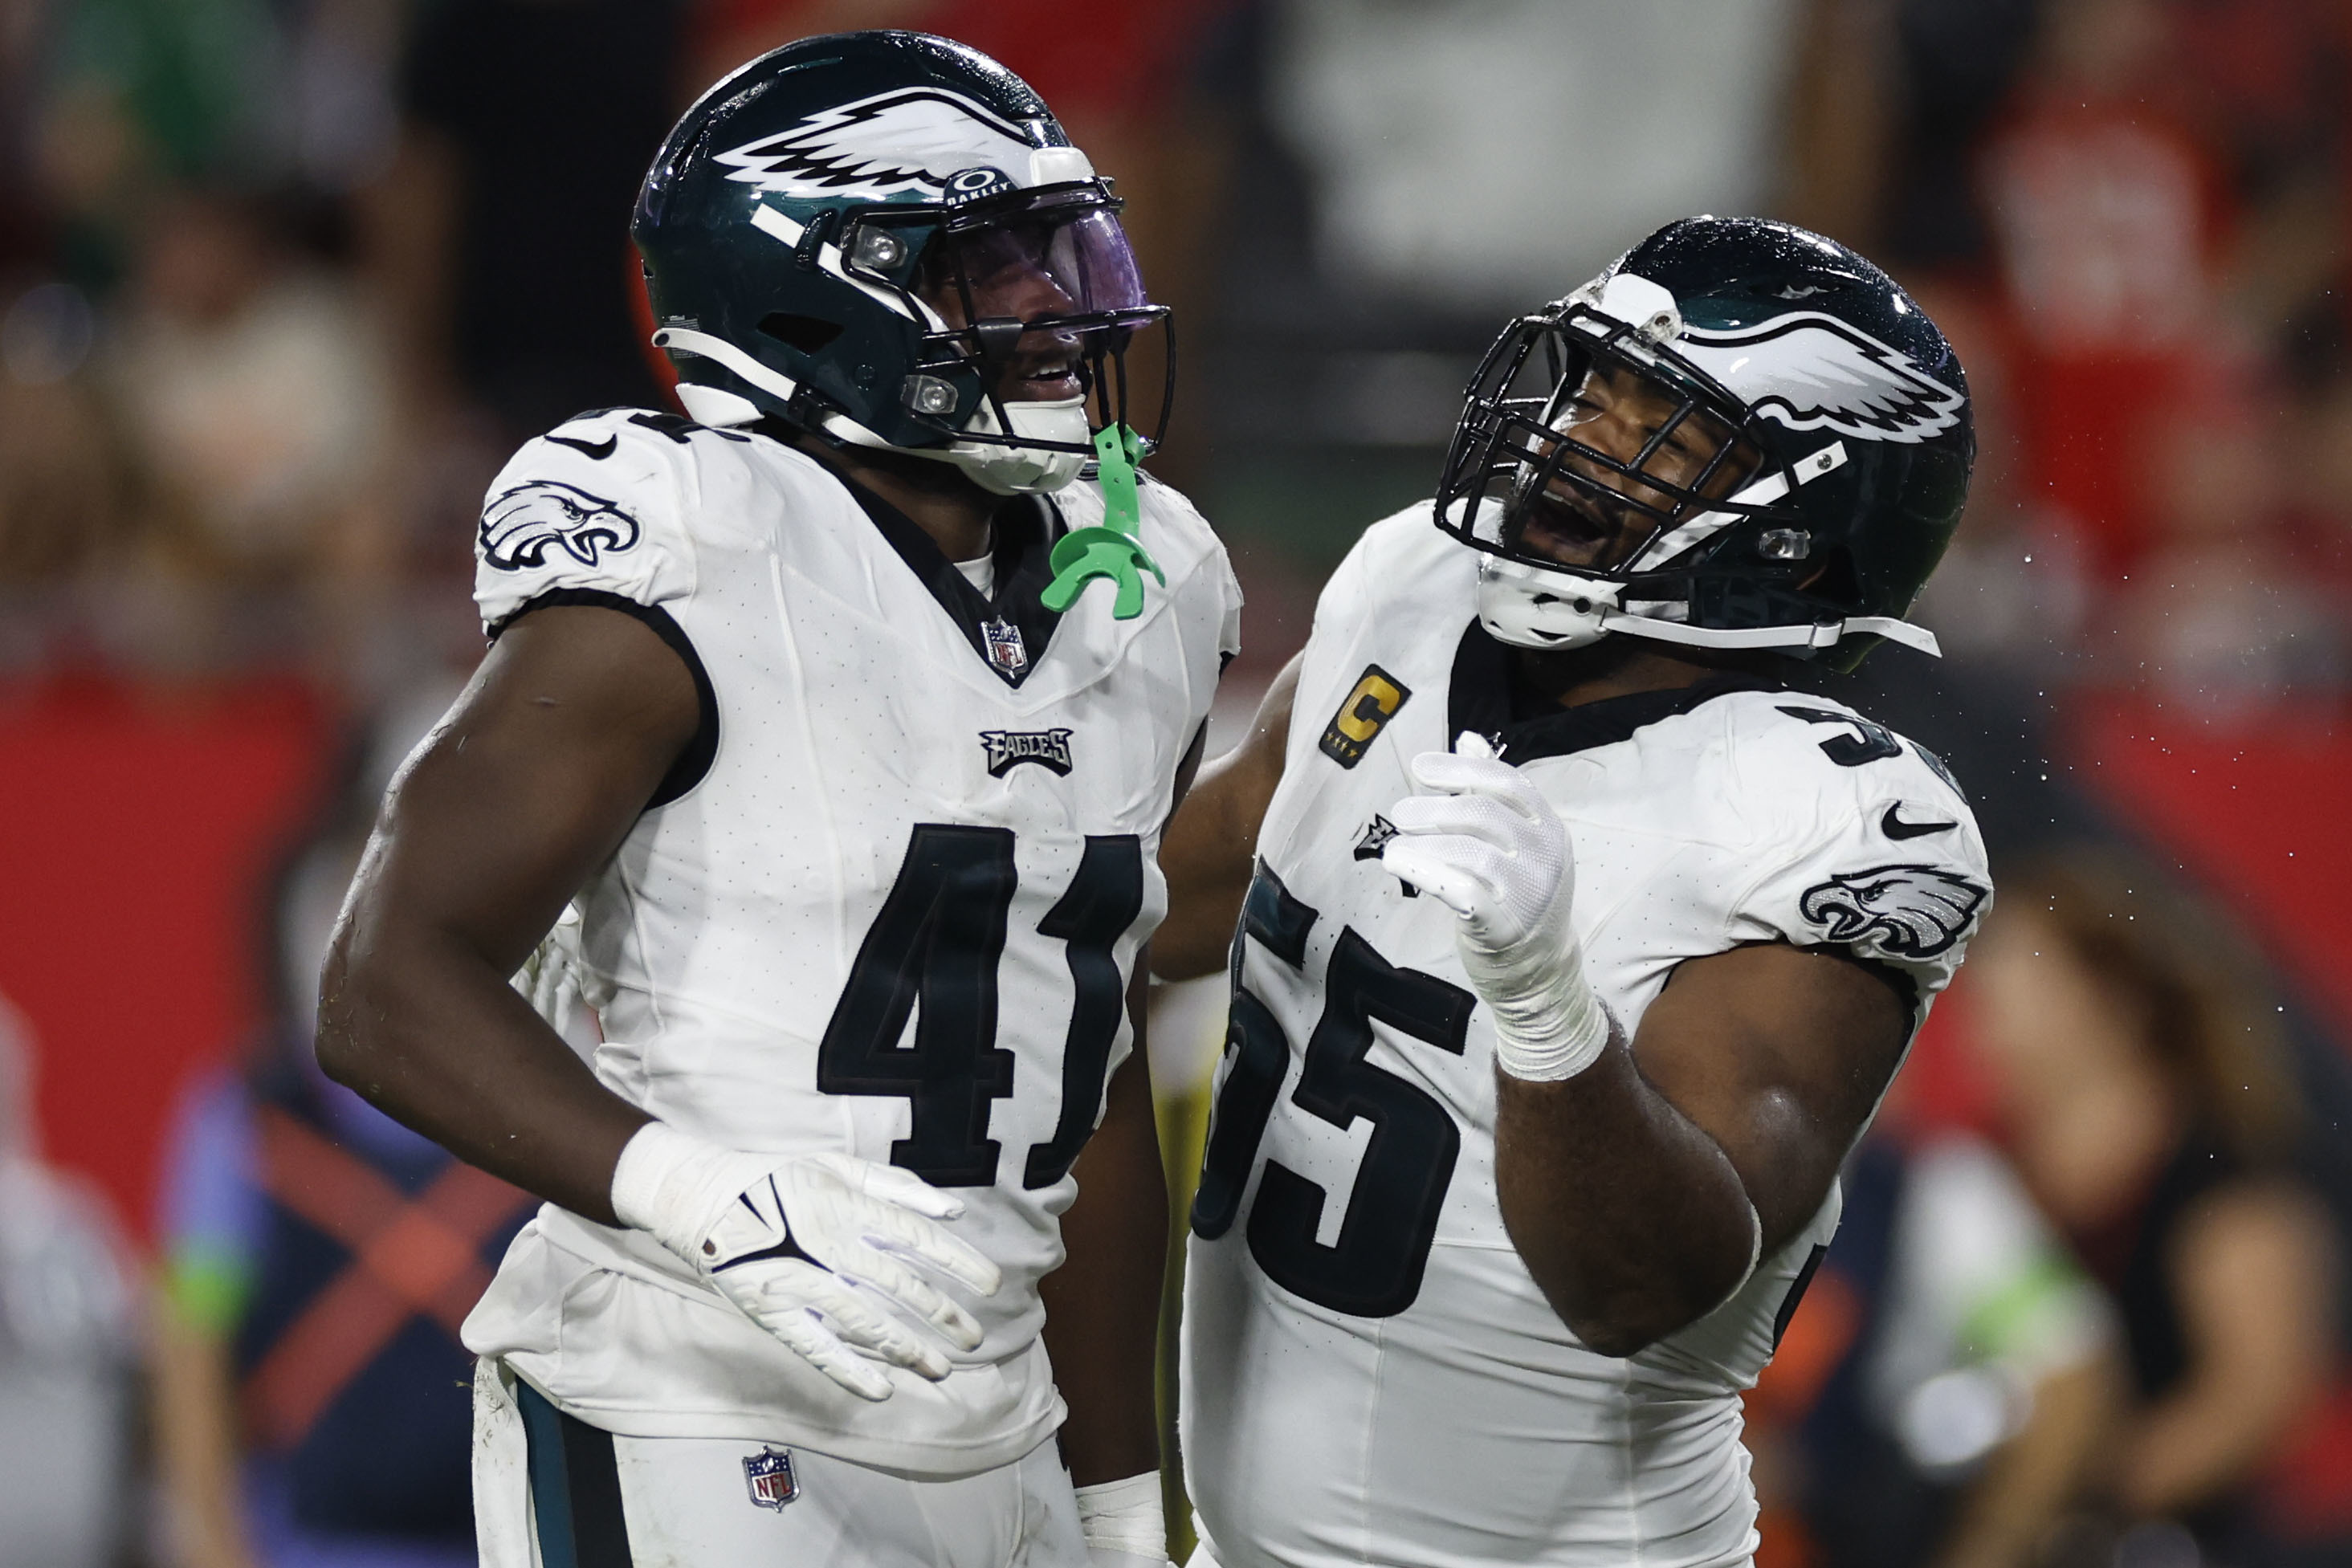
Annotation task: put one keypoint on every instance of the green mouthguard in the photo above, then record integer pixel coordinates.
(1110, 550)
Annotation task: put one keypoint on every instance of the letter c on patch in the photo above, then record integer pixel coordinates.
(1375, 699)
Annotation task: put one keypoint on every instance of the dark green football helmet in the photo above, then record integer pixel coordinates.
(885, 238)
(1833, 419)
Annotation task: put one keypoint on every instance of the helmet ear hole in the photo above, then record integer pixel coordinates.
(1833, 579)
(808, 333)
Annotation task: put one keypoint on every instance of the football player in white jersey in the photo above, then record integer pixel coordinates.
(1574, 949)
(846, 719)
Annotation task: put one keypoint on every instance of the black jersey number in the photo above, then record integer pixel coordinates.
(1261, 1054)
(932, 952)
(1373, 1266)
(1102, 902)
(1868, 742)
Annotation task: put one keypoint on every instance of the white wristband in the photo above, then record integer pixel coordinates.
(1125, 1516)
(673, 1185)
(1549, 1031)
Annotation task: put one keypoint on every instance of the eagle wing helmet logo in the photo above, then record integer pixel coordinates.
(520, 525)
(909, 138)
(1811, 371)
(1902, 911)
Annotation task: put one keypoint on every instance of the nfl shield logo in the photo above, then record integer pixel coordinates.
(1005, 650)
(769, 1474)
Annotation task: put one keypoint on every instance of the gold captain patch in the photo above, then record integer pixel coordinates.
(1368, 707)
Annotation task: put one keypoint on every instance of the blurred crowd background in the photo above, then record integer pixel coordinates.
(283, 281)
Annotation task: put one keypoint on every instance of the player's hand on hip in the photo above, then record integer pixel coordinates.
(1482, 839)
(816, 1249)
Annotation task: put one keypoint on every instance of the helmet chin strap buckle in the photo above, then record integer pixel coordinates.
(1531, 607)
(1024, 469)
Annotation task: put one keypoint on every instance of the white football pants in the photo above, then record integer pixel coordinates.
(550, 1492)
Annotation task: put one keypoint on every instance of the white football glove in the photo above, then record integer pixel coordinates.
(1124, 1522)
(1484, 840)
(809, 1248)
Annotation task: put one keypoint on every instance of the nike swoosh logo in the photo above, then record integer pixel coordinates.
(1892, 825)
(599, 449)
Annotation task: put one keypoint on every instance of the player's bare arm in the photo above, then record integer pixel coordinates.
(1640, 1186)
(1639, 1190)
(1210, 845)
(1102, 1305)
(529, 785)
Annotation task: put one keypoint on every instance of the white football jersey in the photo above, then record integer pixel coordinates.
(1371, 1375)
(887, 904)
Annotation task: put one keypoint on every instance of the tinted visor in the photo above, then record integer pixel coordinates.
(1042, 296)
(1041, 266)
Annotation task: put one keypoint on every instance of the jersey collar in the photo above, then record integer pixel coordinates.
(1479, 700)
(1025, 528)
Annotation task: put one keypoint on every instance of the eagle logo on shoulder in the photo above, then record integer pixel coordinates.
(906, 139)
(1812, 372)
(522, 525)
(1900, 911)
